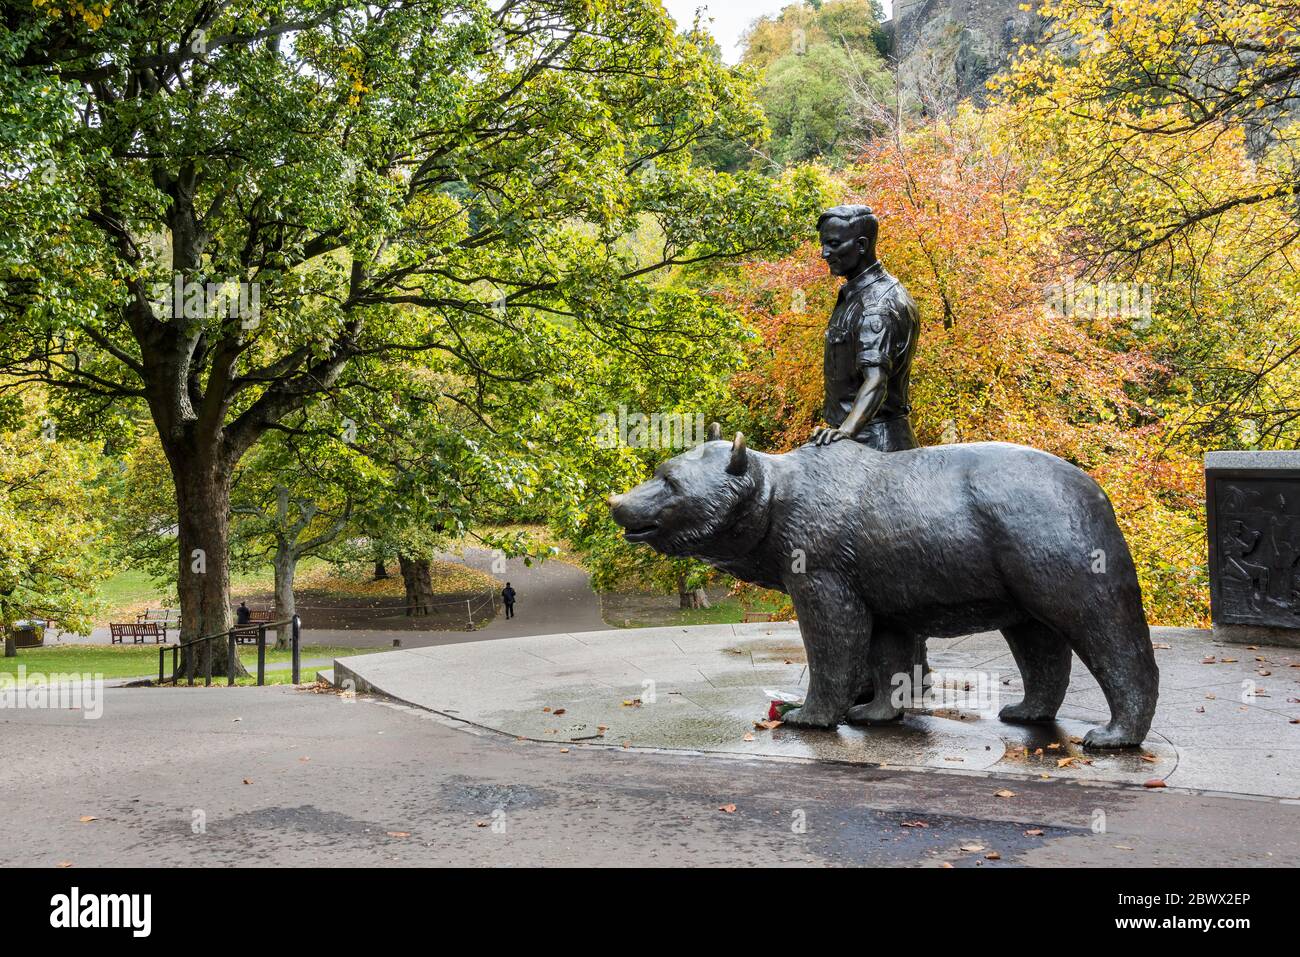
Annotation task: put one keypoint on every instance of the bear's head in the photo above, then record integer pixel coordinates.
(699, 503)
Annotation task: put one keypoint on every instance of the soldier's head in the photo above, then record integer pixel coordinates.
(848, 236)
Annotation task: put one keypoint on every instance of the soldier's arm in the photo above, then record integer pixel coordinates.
(875, 353)
(864, 408)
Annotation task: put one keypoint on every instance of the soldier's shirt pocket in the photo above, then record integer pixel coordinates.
(840, 353)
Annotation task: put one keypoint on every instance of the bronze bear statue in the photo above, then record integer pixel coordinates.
(880, 549)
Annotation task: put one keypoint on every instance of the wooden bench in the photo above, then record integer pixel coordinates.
(756, 616)
(247, 634)
(166, 617)
(138, 632)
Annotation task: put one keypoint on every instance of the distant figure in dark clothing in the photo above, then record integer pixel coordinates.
(508, 597)
(243, 615)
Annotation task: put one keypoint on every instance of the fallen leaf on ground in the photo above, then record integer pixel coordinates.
(972, 848)
(632, 703)
(1065, 762)
(728, 808)
(559, 711)
(248, 780)
(1160, 645)
(1004, 793)
(1154, 783)
(480, 823)
(749, 736)
(1034, 832)
(1208, 660)
(915, 824)
(87, 818)
(1150, 758)
(768, 725)
(992, 856)
(399, 833)
(564, 750)
(65, 863)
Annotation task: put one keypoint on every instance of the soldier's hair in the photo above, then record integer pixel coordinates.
(859, 217)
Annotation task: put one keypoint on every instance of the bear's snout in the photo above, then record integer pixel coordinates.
(629, 511)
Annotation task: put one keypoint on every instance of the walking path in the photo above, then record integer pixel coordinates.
(552, 596)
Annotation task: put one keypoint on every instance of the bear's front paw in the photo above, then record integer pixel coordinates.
(1025, 712)
(1111, 736)
(876, 712)
(806, 717)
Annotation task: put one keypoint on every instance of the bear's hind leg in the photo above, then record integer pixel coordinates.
(867, 692)
(892, 655)
(1120, 657)
(1043, 657)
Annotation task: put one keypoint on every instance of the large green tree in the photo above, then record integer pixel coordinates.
(390, 178)
(49, 530)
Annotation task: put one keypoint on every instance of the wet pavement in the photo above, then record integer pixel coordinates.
(1224, 723)
(258, 776)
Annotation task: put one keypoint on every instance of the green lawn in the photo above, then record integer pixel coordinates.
(723, 611)
(142, 660)
(130, 591)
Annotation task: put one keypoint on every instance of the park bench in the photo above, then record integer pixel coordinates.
(138, 632)
(756, 616)
(166, 617)
(246, 634)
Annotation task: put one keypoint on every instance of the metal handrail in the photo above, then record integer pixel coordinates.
(231, 637)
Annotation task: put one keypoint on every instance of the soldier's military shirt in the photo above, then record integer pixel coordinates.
(875, 323)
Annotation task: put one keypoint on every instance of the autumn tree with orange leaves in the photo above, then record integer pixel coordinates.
(1001, 357)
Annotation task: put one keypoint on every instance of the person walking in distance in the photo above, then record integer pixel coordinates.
(508, 599)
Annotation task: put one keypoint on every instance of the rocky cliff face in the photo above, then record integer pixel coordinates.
(948, 49)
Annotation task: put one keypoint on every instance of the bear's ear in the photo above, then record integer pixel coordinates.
(739, 456)
(715, 432)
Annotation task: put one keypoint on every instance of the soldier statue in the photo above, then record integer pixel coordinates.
(870, 339)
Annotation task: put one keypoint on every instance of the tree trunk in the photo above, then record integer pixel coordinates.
(203, 529)
(417, 577)
(381, 570)
(690, 597)
(286, 566)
